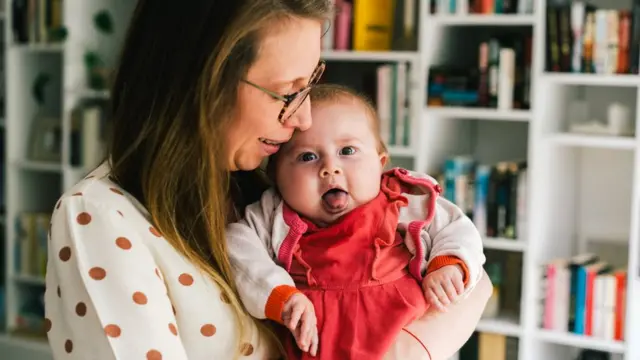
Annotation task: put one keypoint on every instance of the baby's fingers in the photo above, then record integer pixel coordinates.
(433, 299)
(308, 326)
(296, 314)
(450, 290)
(313, 350)
(459, 285)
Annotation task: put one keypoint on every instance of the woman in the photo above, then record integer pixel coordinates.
(206, 90)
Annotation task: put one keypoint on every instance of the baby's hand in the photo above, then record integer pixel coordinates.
(441, 287)
(299, 316)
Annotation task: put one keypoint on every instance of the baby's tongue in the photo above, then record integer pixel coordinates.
(335, 200)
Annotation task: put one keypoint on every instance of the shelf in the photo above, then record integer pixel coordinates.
(479, 113)
(29, 279)
(594, 141)
(370, 56)
(39, 166)
(504, 244)
(401, 151)
(90, 94)
(593, 79)
(35, 47)
(36, 344)
(484, 20)
(579, 341)
(500, 325)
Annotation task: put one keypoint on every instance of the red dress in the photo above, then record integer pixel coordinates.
(356, 274)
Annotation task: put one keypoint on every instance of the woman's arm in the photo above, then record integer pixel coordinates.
(105, 297)
(443, 334)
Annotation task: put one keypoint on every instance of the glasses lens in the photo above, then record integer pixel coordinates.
(296, 103)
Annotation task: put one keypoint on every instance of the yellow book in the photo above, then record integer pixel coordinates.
(373, 25)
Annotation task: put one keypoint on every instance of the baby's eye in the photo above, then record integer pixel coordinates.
(347, 150)
(308, 156)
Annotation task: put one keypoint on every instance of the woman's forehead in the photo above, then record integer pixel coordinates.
(288, 51)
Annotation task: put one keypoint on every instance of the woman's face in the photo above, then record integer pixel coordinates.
(287, 57)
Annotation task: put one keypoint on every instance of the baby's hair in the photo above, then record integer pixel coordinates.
(331, 93)
(322, 94)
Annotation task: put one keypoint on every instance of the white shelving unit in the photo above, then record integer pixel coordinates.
(561, 166)
(567, 205)
(34, 185)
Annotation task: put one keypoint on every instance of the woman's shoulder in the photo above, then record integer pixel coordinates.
(97, 190)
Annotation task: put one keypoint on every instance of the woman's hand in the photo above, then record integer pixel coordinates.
(299, 316)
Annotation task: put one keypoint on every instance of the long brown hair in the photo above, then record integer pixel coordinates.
(173, 93)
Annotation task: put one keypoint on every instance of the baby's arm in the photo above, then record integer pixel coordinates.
(265, 288)
(453, 239)
(262, 284)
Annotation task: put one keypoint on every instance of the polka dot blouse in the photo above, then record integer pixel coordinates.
(117, 290)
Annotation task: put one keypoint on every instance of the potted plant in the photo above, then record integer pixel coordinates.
(97, 71)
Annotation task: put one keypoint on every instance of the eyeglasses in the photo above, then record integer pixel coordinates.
(293, 101)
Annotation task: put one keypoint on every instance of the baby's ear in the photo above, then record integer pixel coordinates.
(384, 159)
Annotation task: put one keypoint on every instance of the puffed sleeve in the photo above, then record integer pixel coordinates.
(105, 298)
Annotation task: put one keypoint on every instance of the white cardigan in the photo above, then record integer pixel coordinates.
(260, 255)
(117, 290)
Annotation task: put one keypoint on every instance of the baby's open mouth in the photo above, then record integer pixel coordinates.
(335, 200)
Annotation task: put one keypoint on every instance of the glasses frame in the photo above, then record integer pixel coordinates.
(289, 98)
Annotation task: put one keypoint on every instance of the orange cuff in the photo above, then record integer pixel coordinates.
(444, 260)
(277, 299)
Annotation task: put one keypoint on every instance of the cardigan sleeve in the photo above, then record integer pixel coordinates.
(104, 299)
(262, 284)
(452, 238)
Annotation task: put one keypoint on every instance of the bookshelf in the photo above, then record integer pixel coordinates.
(34, 182)
(567, 208)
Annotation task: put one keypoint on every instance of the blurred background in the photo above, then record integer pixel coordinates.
(525, 110)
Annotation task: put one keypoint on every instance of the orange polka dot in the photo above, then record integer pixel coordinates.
(65, 253)
(112, 330)
(116, 191)
(77, 194)
(81, 309)
(154, 355)
(97, 273)
(208, 330)
(154, 231)
(225, 298)
(47, 325)
(173, 329)
(123, 243)
(83, 218)
(246, 349)
(68, 346)
(139, 298)
(185, 279)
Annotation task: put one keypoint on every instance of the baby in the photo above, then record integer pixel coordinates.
(342, 252)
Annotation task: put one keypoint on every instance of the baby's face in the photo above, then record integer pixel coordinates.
(334, 166)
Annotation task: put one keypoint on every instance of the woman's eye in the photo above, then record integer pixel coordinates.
(347, 150)
(307, 157)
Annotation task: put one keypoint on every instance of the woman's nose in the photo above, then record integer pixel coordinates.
(301, 119)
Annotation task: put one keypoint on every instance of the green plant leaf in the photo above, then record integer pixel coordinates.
(103, 21)
(39, 84)
(59, 33)
(92, 59)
